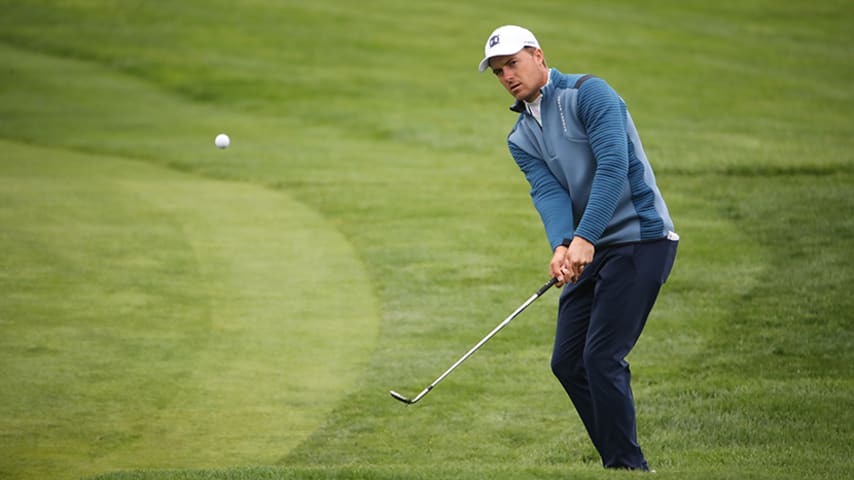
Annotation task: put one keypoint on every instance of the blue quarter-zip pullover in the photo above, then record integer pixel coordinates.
(587, 155)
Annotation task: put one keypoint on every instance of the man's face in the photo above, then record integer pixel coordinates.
(522, 73)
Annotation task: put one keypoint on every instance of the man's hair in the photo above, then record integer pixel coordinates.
(532, 50)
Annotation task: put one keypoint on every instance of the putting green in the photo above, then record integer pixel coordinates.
(151, 318)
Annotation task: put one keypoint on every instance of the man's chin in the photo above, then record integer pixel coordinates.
(523, 96)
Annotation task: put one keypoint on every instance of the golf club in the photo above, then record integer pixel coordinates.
(462, 359)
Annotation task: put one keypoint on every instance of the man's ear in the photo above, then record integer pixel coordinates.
(539, 55)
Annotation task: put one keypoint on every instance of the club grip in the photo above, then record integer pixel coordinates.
(547, 286)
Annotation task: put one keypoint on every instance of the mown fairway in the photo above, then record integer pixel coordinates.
(170, 310)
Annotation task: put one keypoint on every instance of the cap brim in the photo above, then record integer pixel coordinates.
(484, 64)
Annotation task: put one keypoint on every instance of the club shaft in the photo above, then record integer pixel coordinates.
(486, 338)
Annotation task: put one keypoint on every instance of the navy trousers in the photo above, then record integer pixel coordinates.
(599, 321)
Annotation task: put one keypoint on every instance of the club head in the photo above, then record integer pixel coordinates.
(400, 397)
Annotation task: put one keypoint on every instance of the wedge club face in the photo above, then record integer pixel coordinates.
(408, 401)
(400, 397)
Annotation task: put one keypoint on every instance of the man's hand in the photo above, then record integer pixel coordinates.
(578, 255)
(557, 269)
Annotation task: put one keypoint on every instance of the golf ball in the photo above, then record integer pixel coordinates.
(222, 140)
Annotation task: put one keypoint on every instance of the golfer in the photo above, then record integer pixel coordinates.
(611, 235)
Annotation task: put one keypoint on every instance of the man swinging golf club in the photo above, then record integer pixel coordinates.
(611, 235)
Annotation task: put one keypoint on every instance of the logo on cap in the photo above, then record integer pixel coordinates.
(493, 41)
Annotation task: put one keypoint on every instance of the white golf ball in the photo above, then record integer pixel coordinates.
(222, 140)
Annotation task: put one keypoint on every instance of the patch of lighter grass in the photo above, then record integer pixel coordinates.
(152, 318)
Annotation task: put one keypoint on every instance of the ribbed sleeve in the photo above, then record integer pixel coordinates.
(603, 115)
(550, 199)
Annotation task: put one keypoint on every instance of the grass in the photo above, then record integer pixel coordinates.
(168, 310)
(167, 322)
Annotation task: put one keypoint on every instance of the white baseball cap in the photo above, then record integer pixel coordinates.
(506, 40)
